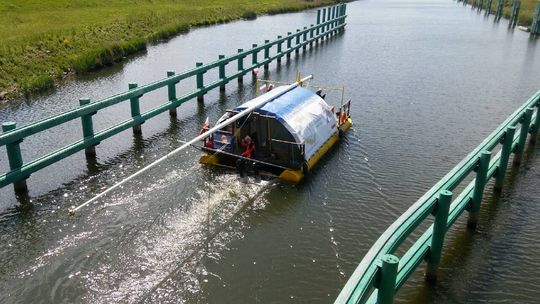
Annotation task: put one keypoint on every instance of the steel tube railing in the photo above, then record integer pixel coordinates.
(360, 287)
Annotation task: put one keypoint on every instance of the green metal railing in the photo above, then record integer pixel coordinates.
(380, 274)
(330, 21)
(514, 12)
(535, 27)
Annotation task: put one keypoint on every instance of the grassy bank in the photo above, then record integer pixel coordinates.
(40, 41)
(526, 10)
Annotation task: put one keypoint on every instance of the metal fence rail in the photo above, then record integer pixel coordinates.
(330, 21)
(513, 14)
(380, 273)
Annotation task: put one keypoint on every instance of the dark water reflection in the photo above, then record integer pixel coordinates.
(429, 80)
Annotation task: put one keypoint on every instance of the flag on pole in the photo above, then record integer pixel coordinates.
(206, 126)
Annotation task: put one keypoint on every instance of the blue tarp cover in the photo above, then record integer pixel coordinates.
(303, 113)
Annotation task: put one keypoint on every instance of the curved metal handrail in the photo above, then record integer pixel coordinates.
(366, 276)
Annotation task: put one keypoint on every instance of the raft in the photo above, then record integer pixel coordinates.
(291, 133)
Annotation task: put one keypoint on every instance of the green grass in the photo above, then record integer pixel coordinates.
(42, 40)
(249, 15)
(106, 55)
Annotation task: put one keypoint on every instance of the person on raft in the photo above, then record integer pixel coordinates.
(249, 152)
(249, 147)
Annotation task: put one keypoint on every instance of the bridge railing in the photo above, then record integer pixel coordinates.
(329, 21)
(381, 273)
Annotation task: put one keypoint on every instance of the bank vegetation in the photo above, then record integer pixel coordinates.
(47, 40)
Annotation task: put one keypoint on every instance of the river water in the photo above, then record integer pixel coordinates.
(429, 80)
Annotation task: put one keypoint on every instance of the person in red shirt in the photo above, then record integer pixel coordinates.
(249, 147)
(249, 152)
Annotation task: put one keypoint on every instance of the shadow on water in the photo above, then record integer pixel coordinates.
(531, 45)
(25, 206)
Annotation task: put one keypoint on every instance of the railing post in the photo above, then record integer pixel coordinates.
(498, 12)
(335, 16)
(525, 123)
(330, 18)
(323, 20)
(222, 73)
(304, 38)
(506, 150)
(200, 82)
(311, 35)
(88, 129)
(327, 30)
(535, 26)
(334, 10)
(535, 127)
(254, 55)
(279, 51)
(340, 14)
(319, 20)
(297, 41)
(289, 42)
(439, 231)
(266, 54)
(241, 66)
(515, 12)
(479, 185)
(387, 283)
(171, 90)
(15, 157)
(135, 109)
(488, 7)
